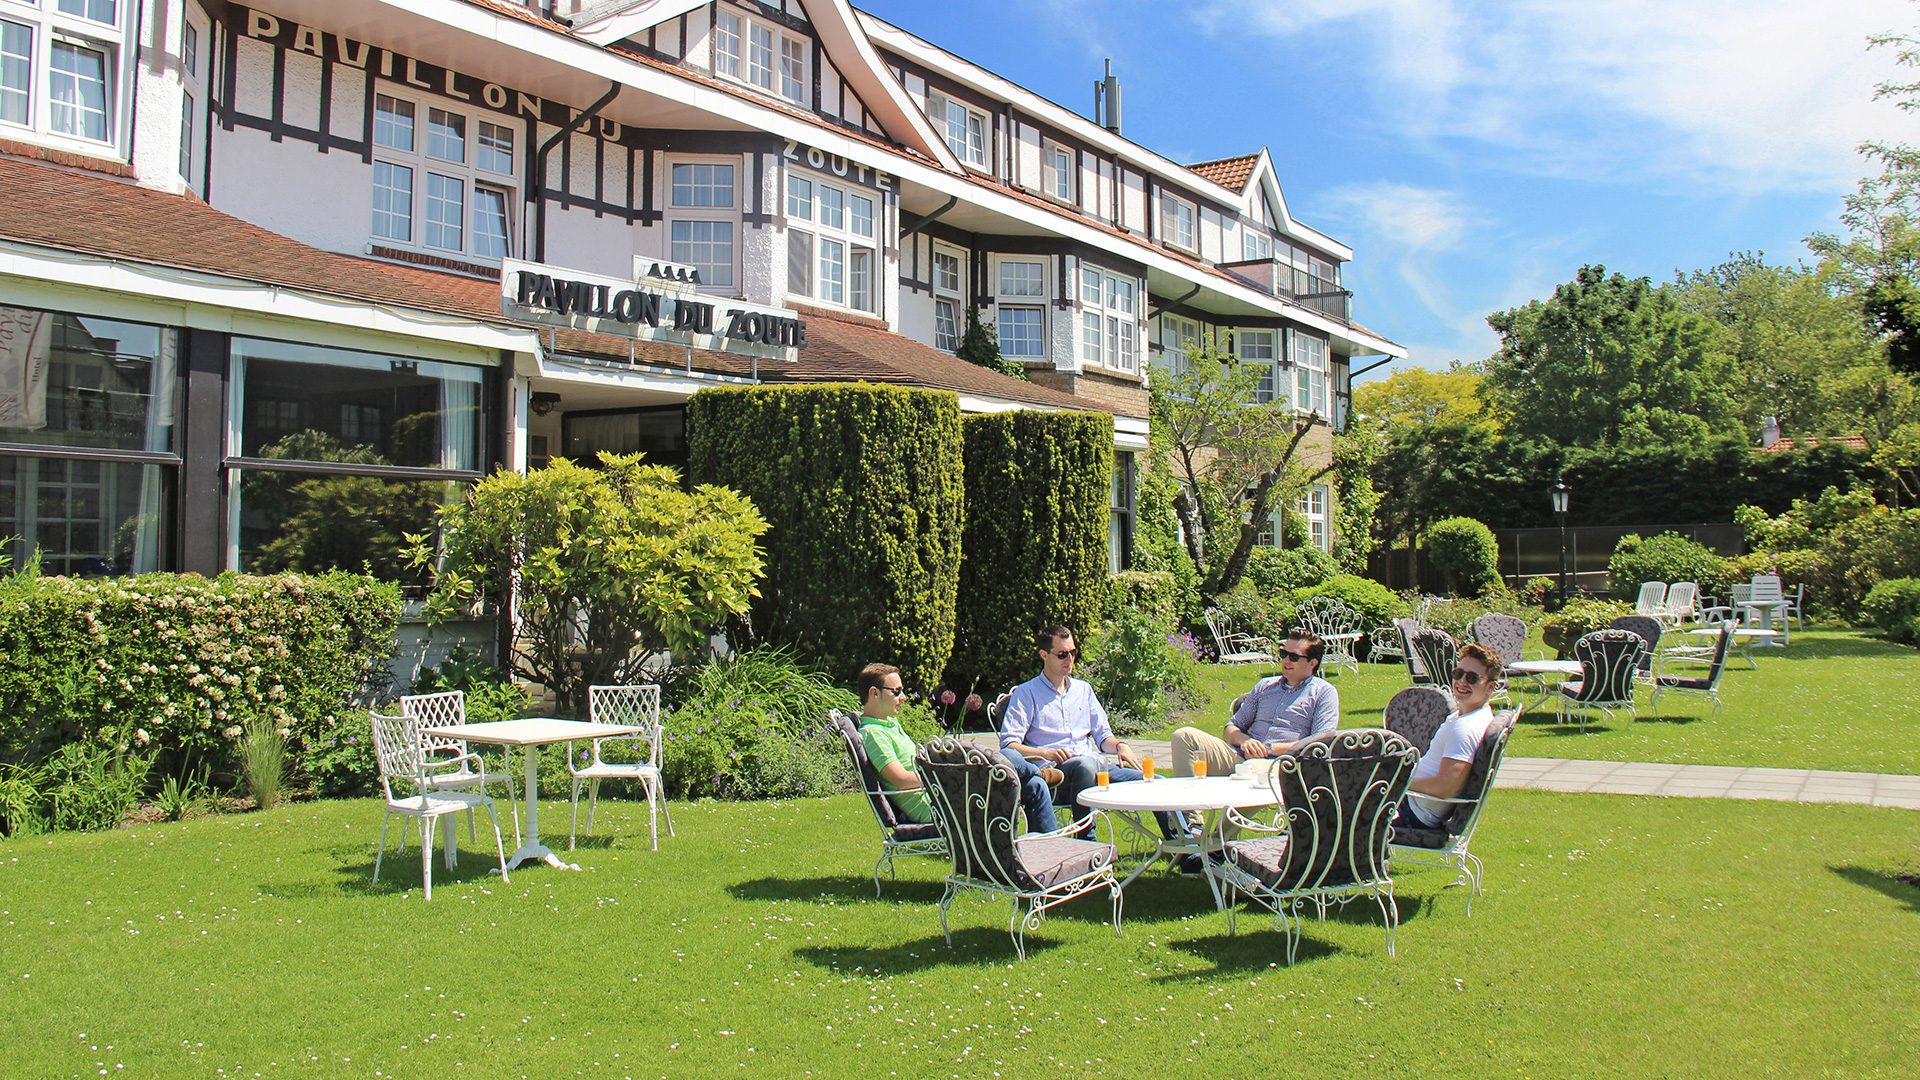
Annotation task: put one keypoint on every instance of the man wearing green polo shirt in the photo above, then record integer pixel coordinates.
(891, 751)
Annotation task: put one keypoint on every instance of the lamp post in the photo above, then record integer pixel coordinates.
(1560, 490)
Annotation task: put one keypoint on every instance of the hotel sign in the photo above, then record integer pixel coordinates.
(661, 303)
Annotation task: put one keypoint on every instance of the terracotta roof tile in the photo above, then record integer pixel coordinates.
(1781, 446)
(1230, 173)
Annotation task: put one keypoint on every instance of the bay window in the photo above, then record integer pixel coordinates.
(447, 187)
(1109, 320)
(832, 250)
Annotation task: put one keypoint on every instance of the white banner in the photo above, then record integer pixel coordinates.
(24, 340)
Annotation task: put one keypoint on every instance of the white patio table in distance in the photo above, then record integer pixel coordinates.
(1743, 639)
(533, 733)
(1538, 670)
(1135, 801)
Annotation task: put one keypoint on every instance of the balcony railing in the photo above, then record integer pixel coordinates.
(1279, 280)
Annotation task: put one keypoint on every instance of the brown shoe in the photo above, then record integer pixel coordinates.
(1052, 776)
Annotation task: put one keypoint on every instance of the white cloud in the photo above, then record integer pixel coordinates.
(1743, 96)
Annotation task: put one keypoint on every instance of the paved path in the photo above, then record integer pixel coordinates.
(1688, 781)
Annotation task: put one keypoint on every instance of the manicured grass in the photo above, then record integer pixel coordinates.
(1834, 699)
(1618, 936)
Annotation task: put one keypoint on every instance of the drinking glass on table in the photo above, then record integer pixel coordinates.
(1146, 767)
(1200, 767)
(1103, 778)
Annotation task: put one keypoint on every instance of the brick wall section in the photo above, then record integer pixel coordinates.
(62, 157)
(1123, 396)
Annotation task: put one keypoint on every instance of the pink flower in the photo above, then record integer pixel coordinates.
(947, 697)
(974, 704)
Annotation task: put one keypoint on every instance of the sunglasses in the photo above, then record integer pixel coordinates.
(896, 691)
(1289, 654)
(1067, 654)
(1471, 678)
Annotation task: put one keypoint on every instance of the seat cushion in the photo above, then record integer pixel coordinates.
(1057, 860)
(906, 834)
(1676, 682)
(1263, 858)
(1572, 687)
(1435, 839)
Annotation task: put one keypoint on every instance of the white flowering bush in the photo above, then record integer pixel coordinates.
(181, 664)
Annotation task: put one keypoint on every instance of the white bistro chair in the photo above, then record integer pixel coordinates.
(405, 780)
(450, 766)
(634, 706)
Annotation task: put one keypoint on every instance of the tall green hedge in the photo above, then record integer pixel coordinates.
(1038, 491)
(862, 489)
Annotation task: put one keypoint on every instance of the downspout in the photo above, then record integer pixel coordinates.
(1151, 312)
(1382, 362)
(537, 166)
(925, 220)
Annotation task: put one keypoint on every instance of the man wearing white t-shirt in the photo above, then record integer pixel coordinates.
(1442, 771)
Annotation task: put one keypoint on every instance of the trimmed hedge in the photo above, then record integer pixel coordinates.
(1463, 549)
(1894, 607)
(180, 663)
(1668, 557)
(862, 487)
(1036, 539)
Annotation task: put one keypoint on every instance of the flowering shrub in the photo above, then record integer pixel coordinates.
(1142, 669)
(754, 726)
(338, 762)
(181, 663)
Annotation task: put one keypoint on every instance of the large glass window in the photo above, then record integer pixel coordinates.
(1022, 287)
(1109, 319)
(60, 67)
(831, 245)
(949, 275)
(1176, 220)
(1255, 348)
(16, 72)
(77, 91)
(771, 60)
(1057, 172)
(457, 178)
(703, 196)
(1312, 507)
(1120, 514)
(1309, 356)
(1177, 334)
(965, 128)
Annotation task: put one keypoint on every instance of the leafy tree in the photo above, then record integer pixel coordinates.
(1609, 360)
(607, 566)
(1235, 458)
(1421, 396)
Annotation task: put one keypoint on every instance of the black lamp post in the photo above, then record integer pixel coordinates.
(1560, 490)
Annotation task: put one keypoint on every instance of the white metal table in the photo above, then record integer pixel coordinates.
(1744, 639)
(1765, 608)
(1539, 670)
(533, 733)
(1135, 801)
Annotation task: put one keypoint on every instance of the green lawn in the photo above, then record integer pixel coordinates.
(1618, 936)
(1832, 700)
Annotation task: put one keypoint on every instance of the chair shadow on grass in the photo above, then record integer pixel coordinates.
(353, 871)
(971, 945)
(839, 887)
(1902, 885)
(1259, 943)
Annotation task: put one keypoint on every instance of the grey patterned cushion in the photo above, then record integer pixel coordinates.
(1061, 859)
(1506, 635)
(1437, 651)
(1421, 838)
(1264, 858)
(1492, 744)
(1417, 712)
(1338, 793)
(914, 831)
(975, 798)
(869, 777)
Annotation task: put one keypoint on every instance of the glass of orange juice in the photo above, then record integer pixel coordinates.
(1199, 766)
(1103, 778)
(1146, 767)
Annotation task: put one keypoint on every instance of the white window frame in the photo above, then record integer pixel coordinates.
(47, 26)
(684, 213)
(970, 145)
(1176, 229)
(1312, 508)
(1309, 358)
(832, 243)
(1053, 182)
(1174, 333)
(1109, 330)
(949, 294)
(1255, 245)
(762, 56)
(196, 38)
(467, 173)
(1025, 298)
(1257, 347)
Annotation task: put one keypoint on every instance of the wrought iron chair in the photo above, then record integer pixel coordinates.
(1608, 660)
(1437, 652)
(1649, 629)
(1506, 635)
(1416, 713)
(1448, 845)
(1706, 684)
(1338, 793)
(1416, 671)
(450, 765)
(897, 836)
(407, 783)
(976, 801)
(632, 706)
(1339, 628)
(1234, 647)
(1384, 644)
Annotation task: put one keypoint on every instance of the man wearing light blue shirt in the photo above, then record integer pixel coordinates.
(1056, 718)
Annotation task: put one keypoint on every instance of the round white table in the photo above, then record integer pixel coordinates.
(1540, 671)
(532, 733)
(1135, 801)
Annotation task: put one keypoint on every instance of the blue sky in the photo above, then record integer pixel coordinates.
(1474, 153)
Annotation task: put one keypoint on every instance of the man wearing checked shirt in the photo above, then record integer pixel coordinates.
(1056, 718)
(1271, 720)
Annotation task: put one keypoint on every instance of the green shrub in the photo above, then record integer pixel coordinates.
(263, 762)
(1035, 548)
(862, 488)
(80, 787)
(1248, 612)
(1579, 618)
(1464, 551)
(1156, 535)
(1376, 604)
(1141, 669)
(1894, 606)
(1279, 571)
(1668, 557)
(491, 693)
(1537, 590)
(180, 664)
(1153, 591)
(754, 726)
(1457, 617)
(1862, 552)
(338, 762)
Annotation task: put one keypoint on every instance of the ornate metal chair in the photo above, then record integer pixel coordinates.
(450, 765)
(1339, 628)
(897, 837)
(1404, 629)
(1338, 793)
(1416, 713)
(1234, 647)
(633, 706)
(1436, 651)
(1650, 629)
(1706, 684)
(407, 783)
(1447, 846)
(976, 801)
(1608, 660)
(1506, 635)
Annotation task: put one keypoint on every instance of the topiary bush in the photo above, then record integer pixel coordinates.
(1279, 571)
(1668, 557)
(1894, 606)
(753, 726)
(1035, 546)
(1376, 604)
(1580, 617)
(863, 490)
(1464, 551)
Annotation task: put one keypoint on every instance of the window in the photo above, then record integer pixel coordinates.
(1177, 334)
(1255, 349)
(948, 278)
(1021, 333)
(1056, 172)
(1109, 323)
(1312, 507)
(831, 247)
(1309, 356)
(701, 232)
(189, 89)
(61, 68)
(455, 179)
(965, 128)
(1255, 245)
(1120, 513)
(1176, 221)
(1022, 320)
(772, 60)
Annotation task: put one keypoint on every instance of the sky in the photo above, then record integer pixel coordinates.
(1475, 153)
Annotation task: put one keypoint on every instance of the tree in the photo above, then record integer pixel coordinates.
(1235, 457)
(607, 566)
(1422, 396)
(1609, 360)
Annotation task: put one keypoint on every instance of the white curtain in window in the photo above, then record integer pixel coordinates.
(459, 412)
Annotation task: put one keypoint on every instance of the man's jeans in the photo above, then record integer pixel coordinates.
(1035, 798)
(1084, 771)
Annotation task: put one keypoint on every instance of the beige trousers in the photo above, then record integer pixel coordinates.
(1190, 743)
